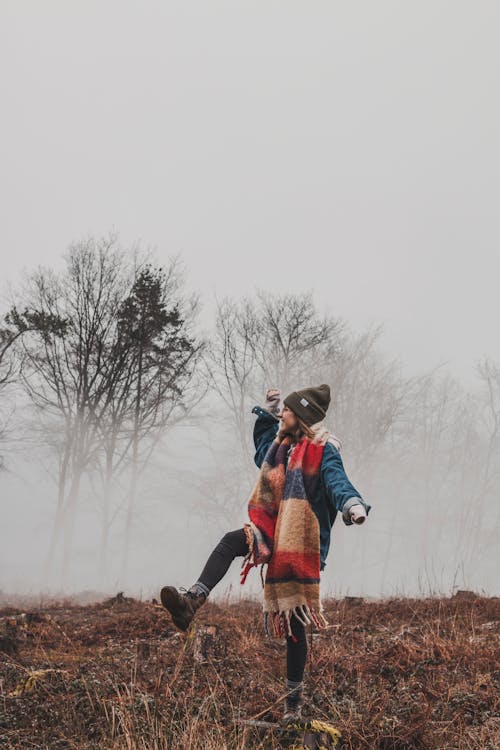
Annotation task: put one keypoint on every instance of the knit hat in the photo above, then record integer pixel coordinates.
(310, 404)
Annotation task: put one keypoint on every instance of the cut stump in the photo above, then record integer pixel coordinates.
(209, 643)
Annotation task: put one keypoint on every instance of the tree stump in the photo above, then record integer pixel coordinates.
(8, 635)
(208, 643)
(145, 650)
(464, 594)
(353, 601)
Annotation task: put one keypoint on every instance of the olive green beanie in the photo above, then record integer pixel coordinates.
(310, 404)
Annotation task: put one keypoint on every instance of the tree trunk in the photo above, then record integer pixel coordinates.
(69, 525)
(105, 522)
(135, 467)
(128, 522)
(59, 519)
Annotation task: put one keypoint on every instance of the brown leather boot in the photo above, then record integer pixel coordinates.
(182, 606)
(294, 702)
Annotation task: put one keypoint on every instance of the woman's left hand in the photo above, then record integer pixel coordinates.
(357, 513)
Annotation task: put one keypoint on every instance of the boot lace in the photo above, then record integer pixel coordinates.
(187, 592)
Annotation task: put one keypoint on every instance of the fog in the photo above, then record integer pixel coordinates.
(345, 151)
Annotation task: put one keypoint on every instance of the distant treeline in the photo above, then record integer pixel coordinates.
(111, 356)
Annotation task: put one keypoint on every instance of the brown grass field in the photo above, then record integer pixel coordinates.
(393, 674)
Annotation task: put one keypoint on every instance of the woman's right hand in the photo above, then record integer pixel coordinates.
(272, 402)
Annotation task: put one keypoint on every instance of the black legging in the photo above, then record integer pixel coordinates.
(234, 544)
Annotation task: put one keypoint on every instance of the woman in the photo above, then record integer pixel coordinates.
(301, 487)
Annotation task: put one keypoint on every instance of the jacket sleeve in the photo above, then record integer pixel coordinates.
(264, 431)
(341, 494)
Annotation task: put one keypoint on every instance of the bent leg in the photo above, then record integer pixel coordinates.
(233, 544)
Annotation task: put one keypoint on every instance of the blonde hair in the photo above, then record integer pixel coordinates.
(318, 433)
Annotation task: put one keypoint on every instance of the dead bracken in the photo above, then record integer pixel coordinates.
(393, 674)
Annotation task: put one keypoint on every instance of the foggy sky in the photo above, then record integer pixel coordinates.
(350, 149)
(347, 148)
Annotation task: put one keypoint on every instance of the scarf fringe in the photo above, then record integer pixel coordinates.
(249, 559)
(280, 621)
(247, 566)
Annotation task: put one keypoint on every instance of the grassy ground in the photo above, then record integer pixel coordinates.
(392, 674)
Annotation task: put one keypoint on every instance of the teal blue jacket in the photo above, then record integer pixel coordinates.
(335, 493)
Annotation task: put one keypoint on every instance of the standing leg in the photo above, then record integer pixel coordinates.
(296, 656)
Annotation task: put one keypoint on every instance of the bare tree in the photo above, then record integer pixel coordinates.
(487, 494)
(232, 362)
(107, 385)
(293, 336)
(283, 340)
(368, 392)
(63, 372)
(272, 339)
(16, 326)
(425, 438)
(152, 381)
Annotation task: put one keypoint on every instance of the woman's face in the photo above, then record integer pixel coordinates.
(289, 421)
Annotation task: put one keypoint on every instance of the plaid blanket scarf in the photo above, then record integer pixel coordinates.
(283, 532)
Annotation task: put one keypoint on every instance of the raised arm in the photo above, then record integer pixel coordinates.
(267, 424)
